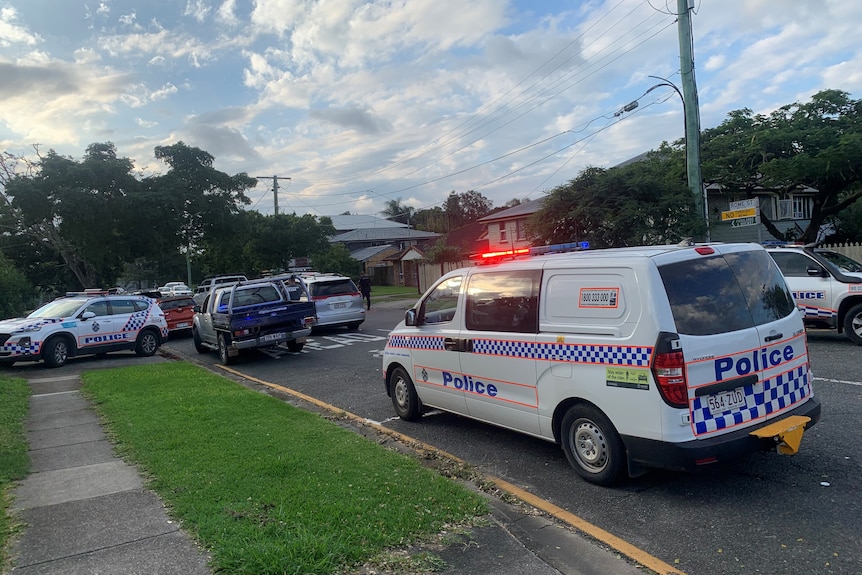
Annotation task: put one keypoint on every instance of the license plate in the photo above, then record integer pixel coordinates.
(183, 324)
(272, 336)
(726, 401)
(339, 305)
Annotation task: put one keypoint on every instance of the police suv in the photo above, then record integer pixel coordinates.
(84, 323)
(826, 285)
(670, 357)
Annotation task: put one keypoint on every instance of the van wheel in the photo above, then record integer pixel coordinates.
(354, 325)
(223, 354)
(592, 445)
(199, 344)
(147, 343)
(403, 394)
(55, 352)
(853, 324)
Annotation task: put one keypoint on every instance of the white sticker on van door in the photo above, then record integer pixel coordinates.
(599, 297)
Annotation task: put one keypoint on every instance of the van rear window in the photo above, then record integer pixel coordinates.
(724, 293)
(334, 287)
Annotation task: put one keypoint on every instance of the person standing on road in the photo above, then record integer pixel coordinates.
(365, 289)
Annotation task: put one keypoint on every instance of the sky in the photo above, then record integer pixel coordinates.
(353, 103)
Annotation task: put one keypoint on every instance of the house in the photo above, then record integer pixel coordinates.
(507, 229)
(383, 247)
(787, 210)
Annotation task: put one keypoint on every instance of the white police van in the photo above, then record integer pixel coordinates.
(670, 357)
(83, 323)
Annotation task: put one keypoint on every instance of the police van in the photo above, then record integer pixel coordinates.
(671, 357)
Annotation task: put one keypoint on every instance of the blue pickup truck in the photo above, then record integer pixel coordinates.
(253, 314)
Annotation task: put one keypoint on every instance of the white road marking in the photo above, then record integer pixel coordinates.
(838, 381)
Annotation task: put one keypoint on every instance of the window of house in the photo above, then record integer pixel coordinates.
(520, 230)
(503, 231)
(802, 207)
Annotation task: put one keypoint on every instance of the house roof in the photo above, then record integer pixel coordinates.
(367, 253)
(382, 235)
(345, 223)
(522, 210)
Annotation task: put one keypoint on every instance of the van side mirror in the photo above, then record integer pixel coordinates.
(410, 317)
(197, 308)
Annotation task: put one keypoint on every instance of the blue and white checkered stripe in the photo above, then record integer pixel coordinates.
(817, 312)
(761, 399)
(576, 353)
(34, 348)
(432, 342)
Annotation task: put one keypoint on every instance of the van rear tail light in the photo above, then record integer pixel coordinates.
(668, 368)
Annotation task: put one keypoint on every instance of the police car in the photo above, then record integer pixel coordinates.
(826, 285)
(672, 357)
(84, 323)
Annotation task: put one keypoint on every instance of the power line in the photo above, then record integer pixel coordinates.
(275, 180)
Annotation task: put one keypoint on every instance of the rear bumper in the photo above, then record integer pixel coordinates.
(271, 339)
(693, 455)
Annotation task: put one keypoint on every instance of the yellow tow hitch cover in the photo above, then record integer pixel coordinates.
(787, 433)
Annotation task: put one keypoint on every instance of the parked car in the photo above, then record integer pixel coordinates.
(80, 323)
(826, 285)
(337, 299)
(175, 288)
(179, 312)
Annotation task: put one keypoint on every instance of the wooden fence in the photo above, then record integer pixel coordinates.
(851, 250)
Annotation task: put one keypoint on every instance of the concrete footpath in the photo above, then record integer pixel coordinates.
(87, 512)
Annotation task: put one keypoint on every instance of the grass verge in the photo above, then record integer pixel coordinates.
(265, 486)
(14, 462)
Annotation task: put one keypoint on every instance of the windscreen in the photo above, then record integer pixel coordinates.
(724, 293)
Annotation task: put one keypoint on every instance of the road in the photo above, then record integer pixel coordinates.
(766, 514)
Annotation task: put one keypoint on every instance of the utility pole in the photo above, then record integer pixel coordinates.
(691, 110)
(275, 180)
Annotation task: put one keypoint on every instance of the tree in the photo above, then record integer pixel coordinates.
(469, 206)
(397, 212)
(77, 210)
(817, 144)
(336, 259)
(642, 203)
(16, 293)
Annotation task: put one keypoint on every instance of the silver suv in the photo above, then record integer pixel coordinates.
(83, 323)
(826, 285)
(337, 299)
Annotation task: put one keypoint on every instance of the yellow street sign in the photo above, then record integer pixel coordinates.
(746, 213)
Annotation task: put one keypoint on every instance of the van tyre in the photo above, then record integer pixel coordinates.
(853, 324)
(147, 344)
(199, 344)
(55, 352)
(592, 445)
(223, 353)
(403, 394)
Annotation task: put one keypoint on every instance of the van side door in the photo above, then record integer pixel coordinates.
(498, 363)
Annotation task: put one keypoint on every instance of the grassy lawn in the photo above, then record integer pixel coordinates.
(14, 462)
(265, 486)
(394, 292)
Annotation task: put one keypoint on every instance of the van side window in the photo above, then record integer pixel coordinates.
(504, 301)
(442, 303)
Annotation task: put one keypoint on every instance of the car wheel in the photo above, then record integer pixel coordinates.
(853, 324)
(295, 346)
(592, 445)
(223, 353)
(403, 394)
(147, 343)
(353, 325)
(199, 344)
(55, 352)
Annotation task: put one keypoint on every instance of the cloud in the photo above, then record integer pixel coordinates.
(11, 33)
(351, 117)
